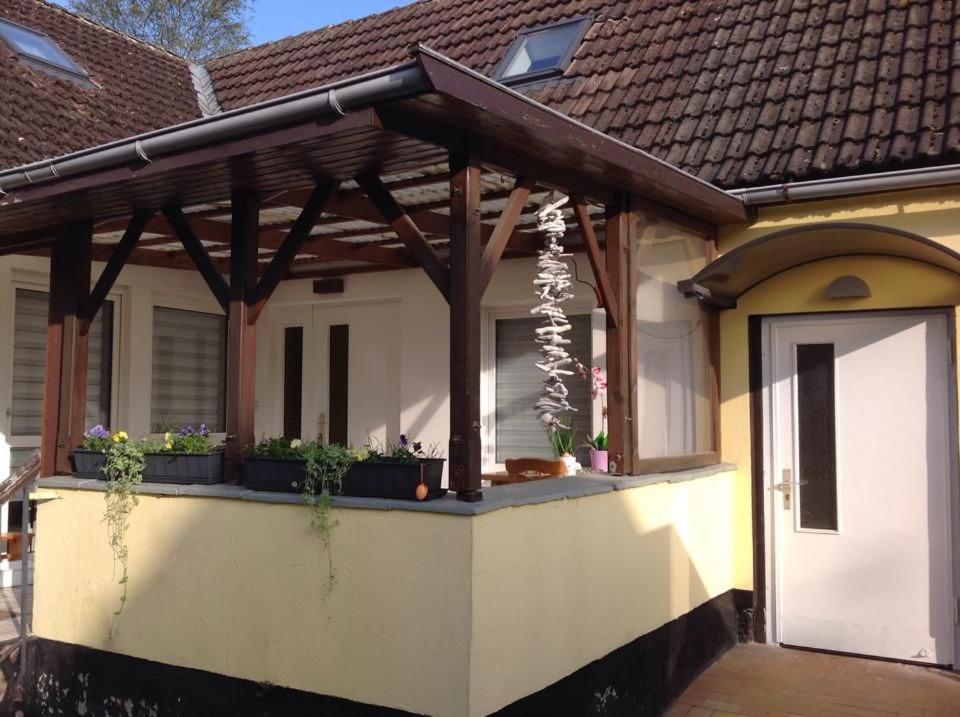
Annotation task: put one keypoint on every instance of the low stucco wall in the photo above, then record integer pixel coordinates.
(431, 613)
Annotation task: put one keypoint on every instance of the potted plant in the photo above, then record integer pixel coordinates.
(185, 457)
(276, 464)
(562, 441)
(599, 455)
(90, 459)
(402, 471)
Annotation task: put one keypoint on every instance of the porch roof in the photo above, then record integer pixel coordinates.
(723, 281)
(400, 123)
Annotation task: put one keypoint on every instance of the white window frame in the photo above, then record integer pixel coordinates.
(488, 368)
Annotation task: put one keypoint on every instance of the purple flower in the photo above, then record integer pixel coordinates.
(403, 440)
(417, 446)
(98, 431)
(186, 431)
(203, 430)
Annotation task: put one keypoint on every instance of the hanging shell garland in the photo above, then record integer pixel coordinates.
(553, 289)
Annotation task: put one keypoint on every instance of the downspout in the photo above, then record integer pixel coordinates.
(788, 192)
(311, 105)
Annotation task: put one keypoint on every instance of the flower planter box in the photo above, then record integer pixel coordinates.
(88, 464)
(281, 475)
(390, 479)
(184, 468)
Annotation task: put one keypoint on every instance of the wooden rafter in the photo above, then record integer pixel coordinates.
(198, 253)
(500, 237)
(112, 270)
(407, 230)
(605, 287)
(290, 247)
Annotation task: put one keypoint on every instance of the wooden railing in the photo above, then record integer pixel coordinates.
(20, 478)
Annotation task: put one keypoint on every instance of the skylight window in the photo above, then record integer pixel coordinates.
(543, 51)
(38, 48)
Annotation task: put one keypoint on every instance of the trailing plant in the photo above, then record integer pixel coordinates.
(325, 466)
(96, 439)
(124, 471)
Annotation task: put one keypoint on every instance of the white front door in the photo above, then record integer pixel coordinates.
(859, 477)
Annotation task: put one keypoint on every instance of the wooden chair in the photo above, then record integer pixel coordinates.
(521, 470)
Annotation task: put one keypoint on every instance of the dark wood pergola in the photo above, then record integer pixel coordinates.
(443, 172)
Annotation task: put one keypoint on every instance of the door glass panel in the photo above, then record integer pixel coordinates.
(816, 437)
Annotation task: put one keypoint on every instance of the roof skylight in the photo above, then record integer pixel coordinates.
(36, 47)
(542, 51)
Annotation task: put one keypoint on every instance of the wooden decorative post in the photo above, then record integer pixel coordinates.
(241, 331)
(65, 386)
(465, 293)
(621, 341)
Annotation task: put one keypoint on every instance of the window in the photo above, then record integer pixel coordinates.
(675, 416)
(542, 51)
(29, 366)
(519, 384)
(189, 369)
(36, 47)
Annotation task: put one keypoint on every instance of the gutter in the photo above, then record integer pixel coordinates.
(849, 186)
(335, 99)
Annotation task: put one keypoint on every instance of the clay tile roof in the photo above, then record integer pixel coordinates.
(738, 92)
(140, 88)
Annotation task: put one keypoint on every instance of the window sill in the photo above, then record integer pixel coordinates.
(497, 498)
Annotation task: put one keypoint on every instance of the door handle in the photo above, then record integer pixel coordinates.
(786, 487)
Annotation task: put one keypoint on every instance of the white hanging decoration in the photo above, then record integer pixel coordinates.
(553, 289)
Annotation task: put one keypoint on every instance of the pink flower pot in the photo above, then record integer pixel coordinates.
(599, 461)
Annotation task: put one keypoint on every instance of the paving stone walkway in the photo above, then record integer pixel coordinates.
(769, 681)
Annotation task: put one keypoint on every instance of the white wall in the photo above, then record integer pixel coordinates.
(400, 357)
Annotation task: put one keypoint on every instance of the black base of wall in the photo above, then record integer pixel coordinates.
(71, 680)
(645, 676)
(641, 678)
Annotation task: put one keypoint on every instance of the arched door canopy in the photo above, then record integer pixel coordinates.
(723, 281)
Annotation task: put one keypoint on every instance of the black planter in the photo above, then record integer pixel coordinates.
(184, 468)
(88, 464)
(389, 479)
(281, 475)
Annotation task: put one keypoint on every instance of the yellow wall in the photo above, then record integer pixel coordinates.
(558, 585)
(435, 614)
(894, 283)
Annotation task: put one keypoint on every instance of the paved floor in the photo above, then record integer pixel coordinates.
(10, 612)
(775, 682)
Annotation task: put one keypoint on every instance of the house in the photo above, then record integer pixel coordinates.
(335, 235)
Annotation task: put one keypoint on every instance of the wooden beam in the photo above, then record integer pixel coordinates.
(112, 270)
(608, 295)
(198, 254)
(333, 250)
(288, 251)
(65, 385)
(407, 230)
(241, 333)
(621, 340)
(465, 318)
(497, 243)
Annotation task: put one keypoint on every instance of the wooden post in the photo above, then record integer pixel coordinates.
(241, 332)
(65, 386)
(465, 293)
(621, 341)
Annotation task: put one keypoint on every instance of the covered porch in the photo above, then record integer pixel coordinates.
(426, 165)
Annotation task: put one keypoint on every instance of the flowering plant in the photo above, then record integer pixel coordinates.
(561, 439)
(96, 439)
(405, 450)
(279, 447)
(598, 389)
(188, 440)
